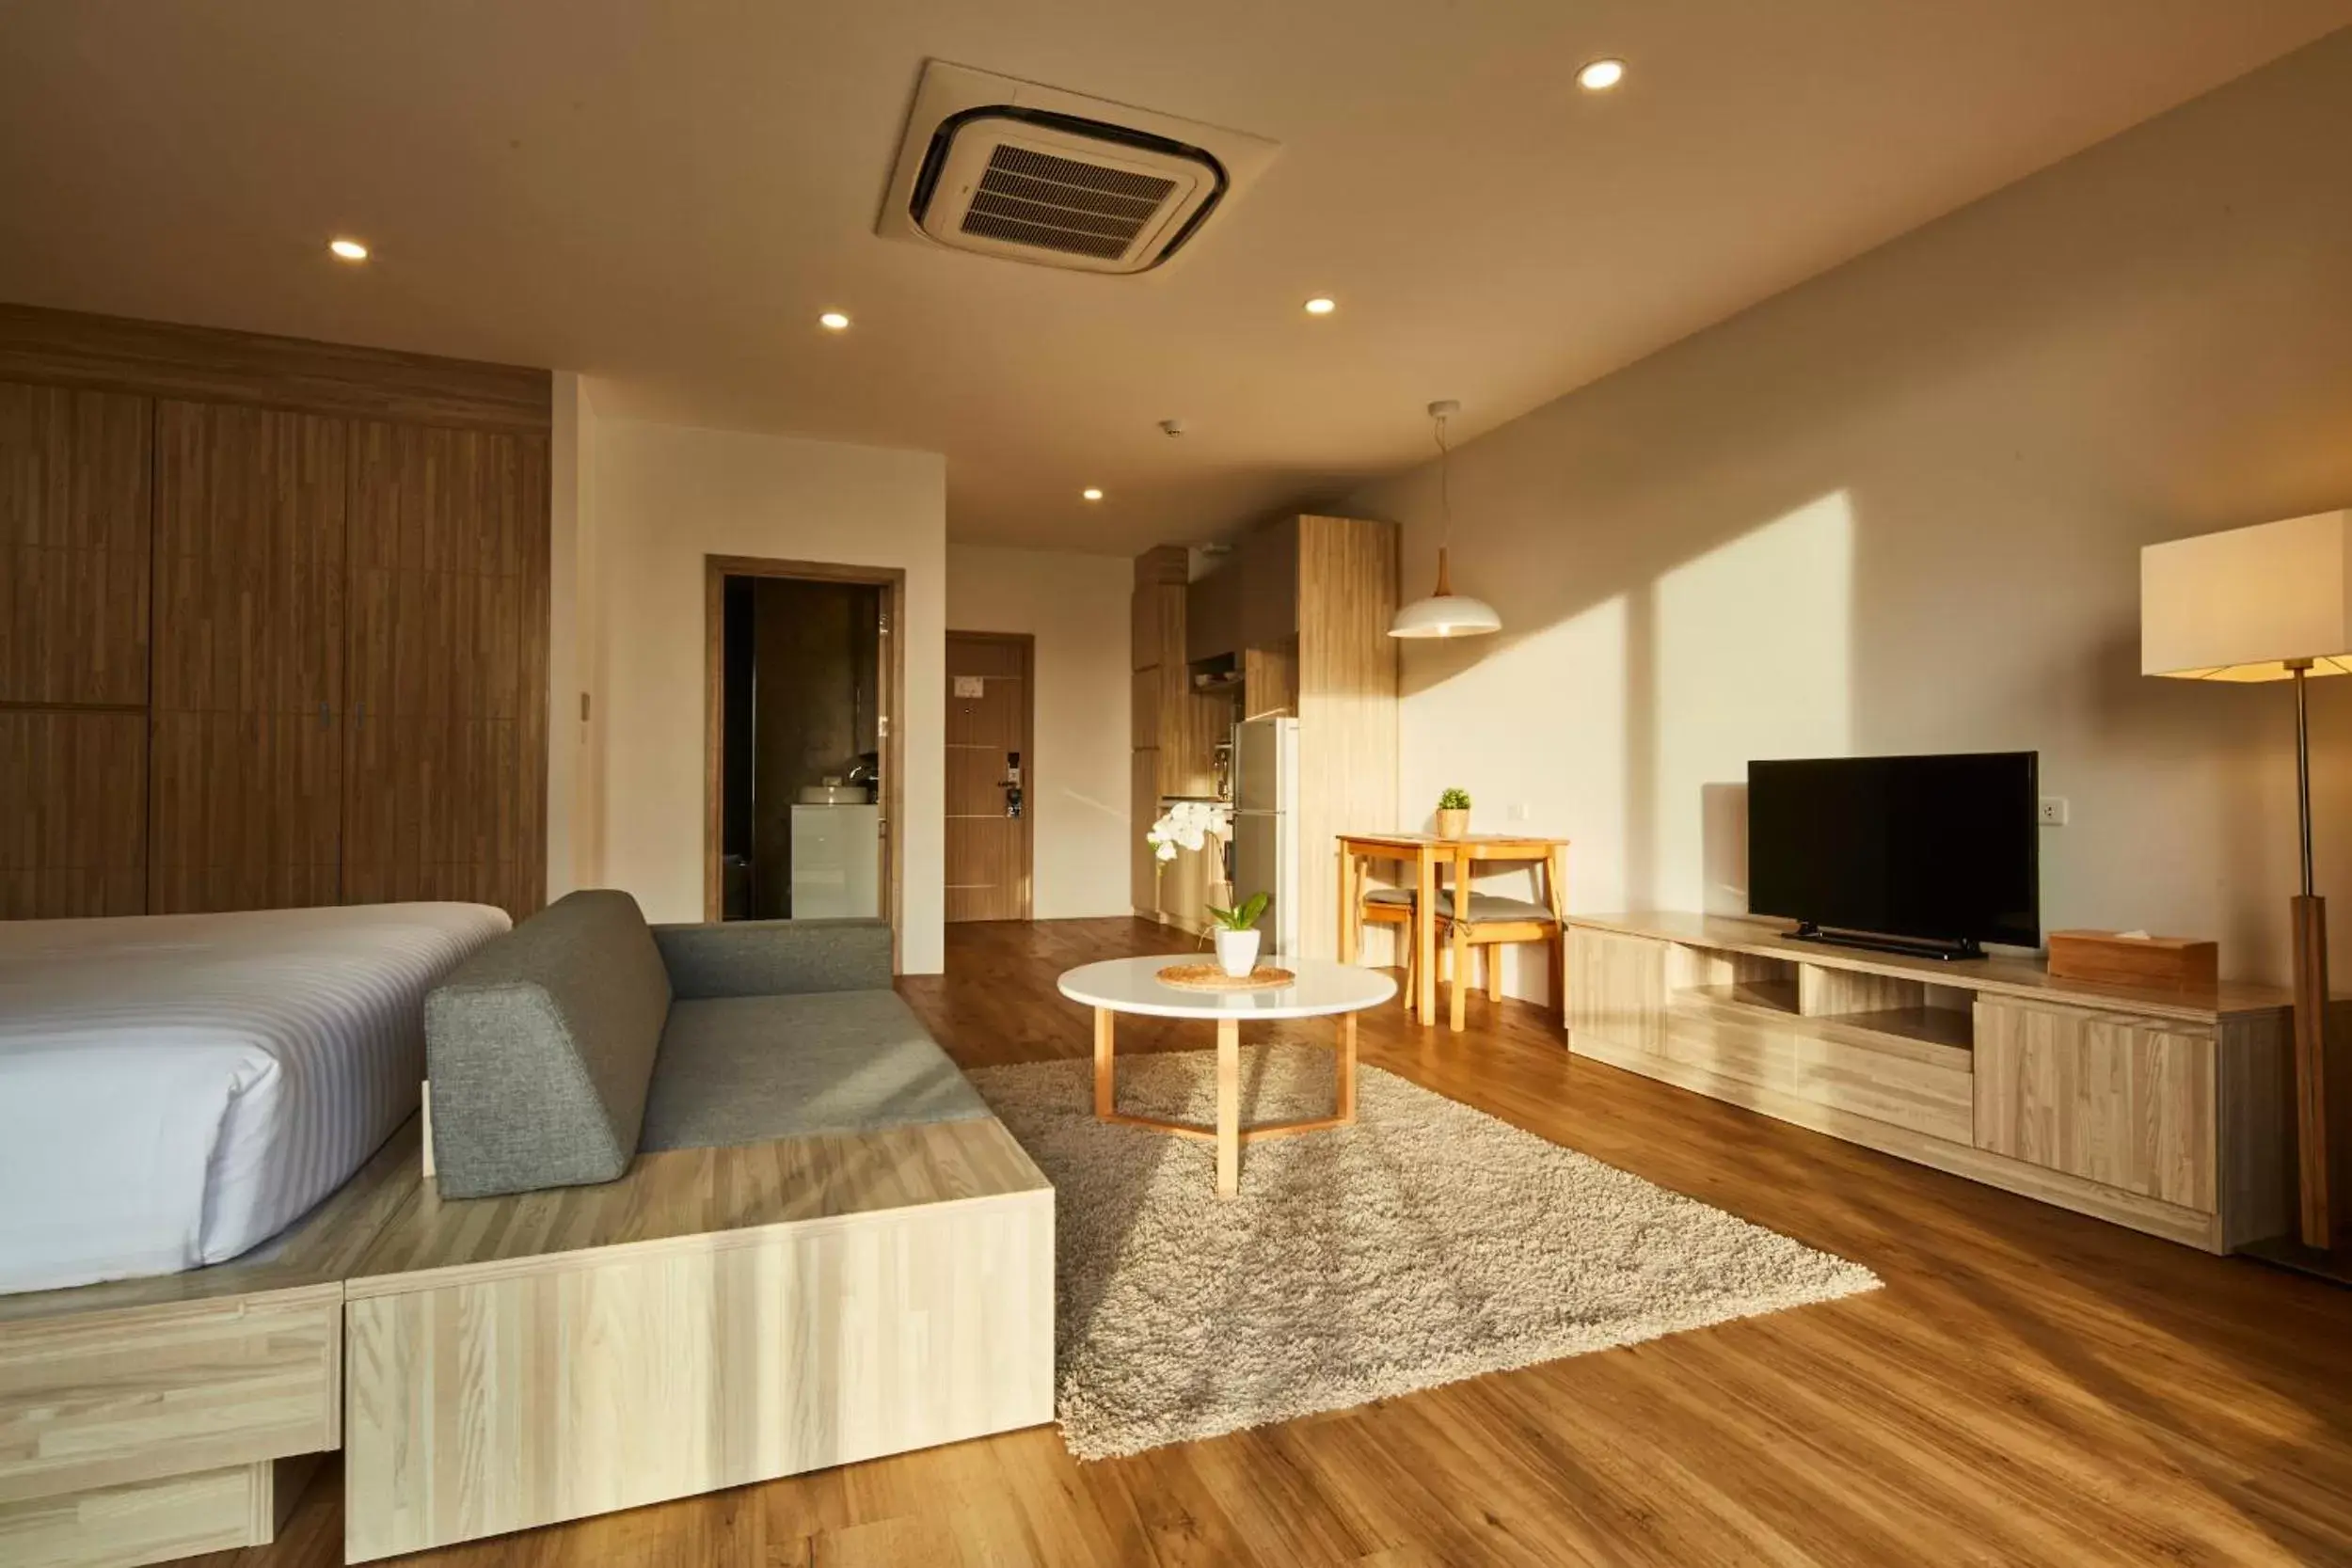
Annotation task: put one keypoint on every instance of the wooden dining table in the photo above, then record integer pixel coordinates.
(1426, 854)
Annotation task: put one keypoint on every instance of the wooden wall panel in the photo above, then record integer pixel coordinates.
(249, 675)
(75, 502)
(445, 781)
(73, 813)
(1348, 691)
(66, 348)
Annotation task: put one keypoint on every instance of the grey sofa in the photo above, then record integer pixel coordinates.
(584, 1035)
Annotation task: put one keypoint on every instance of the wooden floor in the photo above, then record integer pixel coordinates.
(2030, 1388)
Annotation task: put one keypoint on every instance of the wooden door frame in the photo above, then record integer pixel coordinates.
(1026, 642)
(891, 580)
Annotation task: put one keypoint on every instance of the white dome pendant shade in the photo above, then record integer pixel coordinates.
(1445, 613)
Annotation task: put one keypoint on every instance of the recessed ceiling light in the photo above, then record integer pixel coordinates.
(1321, 306)
(1091, 493)
(834, 321)
(350, 250)
(1600, 75)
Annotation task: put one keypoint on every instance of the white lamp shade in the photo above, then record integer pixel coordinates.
(1445, 615)
(2246, 604)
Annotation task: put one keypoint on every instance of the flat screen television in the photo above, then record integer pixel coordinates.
(1938, 852)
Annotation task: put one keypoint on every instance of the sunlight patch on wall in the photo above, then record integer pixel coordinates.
(1752, 648)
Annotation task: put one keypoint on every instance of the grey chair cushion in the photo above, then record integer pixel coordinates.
(1492, 907)
(540, 1048)
(747, 1069)
(1483, 906)
(776, 958)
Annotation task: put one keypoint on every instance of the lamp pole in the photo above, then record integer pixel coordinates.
(2316, 1169)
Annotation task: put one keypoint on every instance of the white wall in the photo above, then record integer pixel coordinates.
(1076, 608)
(666, 496)
(1900, 508)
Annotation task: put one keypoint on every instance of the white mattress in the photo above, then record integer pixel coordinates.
(176, 1089)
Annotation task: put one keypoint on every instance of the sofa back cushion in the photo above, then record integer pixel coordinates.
(775, 957)
(540, 1048)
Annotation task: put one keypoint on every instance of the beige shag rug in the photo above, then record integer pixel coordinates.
(1426, 1243)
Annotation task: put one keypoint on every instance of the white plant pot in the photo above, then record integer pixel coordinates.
(1236, 951)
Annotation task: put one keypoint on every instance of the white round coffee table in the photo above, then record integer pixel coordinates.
(1134, 985)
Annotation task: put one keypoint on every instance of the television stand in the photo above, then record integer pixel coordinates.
(2169, 1112)
(1869, 941)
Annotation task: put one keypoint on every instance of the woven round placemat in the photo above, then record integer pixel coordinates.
(1211, 978)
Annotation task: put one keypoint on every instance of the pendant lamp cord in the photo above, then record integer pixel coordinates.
(1445, 489)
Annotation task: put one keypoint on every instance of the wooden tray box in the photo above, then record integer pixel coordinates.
(2155, 963)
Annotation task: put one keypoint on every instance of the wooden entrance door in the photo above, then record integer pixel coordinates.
(991, 775)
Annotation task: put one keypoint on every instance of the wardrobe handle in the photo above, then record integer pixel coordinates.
(359, 716)
(325, 722)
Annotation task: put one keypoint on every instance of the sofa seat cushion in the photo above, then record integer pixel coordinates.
(748, 1070)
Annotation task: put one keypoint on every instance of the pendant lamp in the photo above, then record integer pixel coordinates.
(1445, 613)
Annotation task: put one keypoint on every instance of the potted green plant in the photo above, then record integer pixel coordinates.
(1454, 808)
(1237, 935)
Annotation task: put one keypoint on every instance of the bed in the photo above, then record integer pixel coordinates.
(177, 1089)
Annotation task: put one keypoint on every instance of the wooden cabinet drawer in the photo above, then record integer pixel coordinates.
(249, 1378)
(2126, 1102)
(1617, 989)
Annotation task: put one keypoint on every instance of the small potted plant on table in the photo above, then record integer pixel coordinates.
(1237, 935)
(1454, 809)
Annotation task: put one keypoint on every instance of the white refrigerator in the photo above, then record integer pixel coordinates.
(1265, 824)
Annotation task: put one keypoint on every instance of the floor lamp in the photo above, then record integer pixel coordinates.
(2270, 603)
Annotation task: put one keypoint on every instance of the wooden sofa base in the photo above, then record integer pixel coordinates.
(515, 1387)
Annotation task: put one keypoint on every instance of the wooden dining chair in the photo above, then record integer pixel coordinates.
(1469, 921)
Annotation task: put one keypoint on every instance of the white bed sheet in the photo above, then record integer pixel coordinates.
(176, 1089)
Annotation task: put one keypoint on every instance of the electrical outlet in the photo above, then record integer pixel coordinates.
(1519, 811)
(2054, 811)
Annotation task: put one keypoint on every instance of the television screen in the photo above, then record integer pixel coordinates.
(1936, 849)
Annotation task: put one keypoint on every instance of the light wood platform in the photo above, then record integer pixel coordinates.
(2165, 1111)
(146, 1419)
(716, 1316)
(2033, 1389)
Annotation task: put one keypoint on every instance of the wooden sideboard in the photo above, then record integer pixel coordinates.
(2170, 1113)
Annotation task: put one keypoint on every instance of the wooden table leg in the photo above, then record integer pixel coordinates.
(1347, 1067)
(1351, 907)
(1458, 981)
(1228, 1107)
(1105, 1087)
(1425, 938)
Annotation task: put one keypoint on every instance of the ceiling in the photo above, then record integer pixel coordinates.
(665, 196)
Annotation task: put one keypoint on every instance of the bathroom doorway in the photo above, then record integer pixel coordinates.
(805, 679)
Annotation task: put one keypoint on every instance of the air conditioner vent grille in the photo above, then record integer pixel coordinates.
(1107, 246)
(1069, 172)
(1035, 199)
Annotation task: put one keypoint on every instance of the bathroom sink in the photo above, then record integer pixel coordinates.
(834, 795)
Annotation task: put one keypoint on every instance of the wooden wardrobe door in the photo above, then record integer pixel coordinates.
(446, 784)
(75, 509)
(247, 793)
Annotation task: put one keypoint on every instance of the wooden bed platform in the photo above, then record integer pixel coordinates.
(716, 1316)
(143, 1419)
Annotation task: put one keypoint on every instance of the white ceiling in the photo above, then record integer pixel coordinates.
(664, 196)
